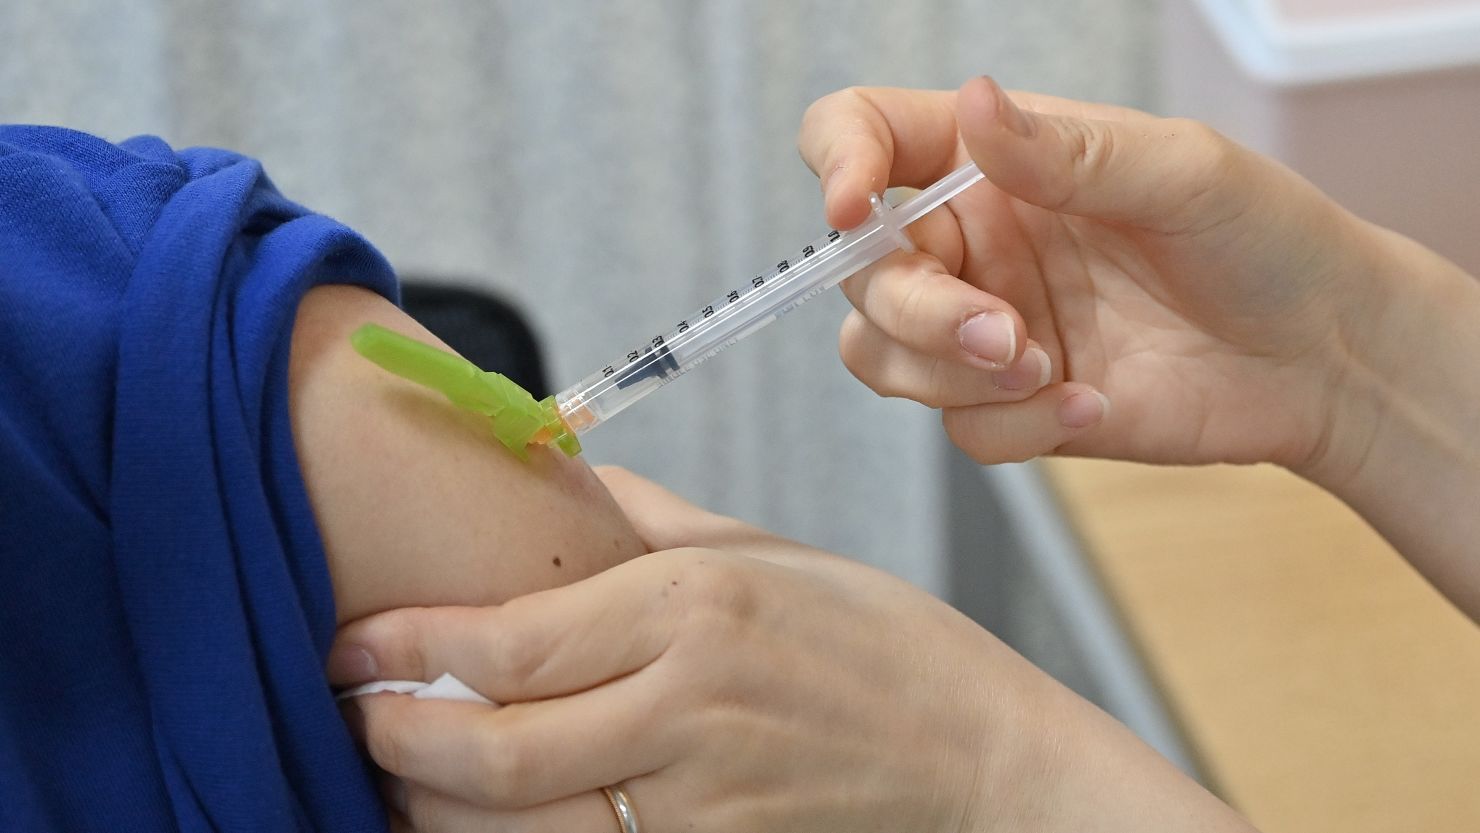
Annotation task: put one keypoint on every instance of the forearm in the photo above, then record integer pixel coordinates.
(1085, 771)
(1403, 449)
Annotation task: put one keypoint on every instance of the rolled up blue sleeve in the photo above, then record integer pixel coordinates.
(165, 606)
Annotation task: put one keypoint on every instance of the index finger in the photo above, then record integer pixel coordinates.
(862, 140)
(545, 644)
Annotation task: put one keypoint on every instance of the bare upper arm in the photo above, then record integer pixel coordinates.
(416, 501)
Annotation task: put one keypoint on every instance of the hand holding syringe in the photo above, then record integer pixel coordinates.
(819, 265)
(518, 420)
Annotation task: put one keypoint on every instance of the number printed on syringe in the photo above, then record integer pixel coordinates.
(702, 335)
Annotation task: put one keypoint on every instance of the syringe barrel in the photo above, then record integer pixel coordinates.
(715, 326)
(720, 323)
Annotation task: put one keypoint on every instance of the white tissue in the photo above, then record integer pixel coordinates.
(445, 687)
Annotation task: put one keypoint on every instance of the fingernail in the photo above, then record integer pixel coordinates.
(1082, 410)
(351, 665)
(1014, 118)
(1031, 372)
(990, 336)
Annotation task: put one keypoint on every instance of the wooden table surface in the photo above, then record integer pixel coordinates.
(1321, 683)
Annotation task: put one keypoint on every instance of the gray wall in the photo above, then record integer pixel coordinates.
(608, 165)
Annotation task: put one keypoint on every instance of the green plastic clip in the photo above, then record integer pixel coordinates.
(518, 419)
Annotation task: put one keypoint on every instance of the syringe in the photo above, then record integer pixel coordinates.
(819, 266)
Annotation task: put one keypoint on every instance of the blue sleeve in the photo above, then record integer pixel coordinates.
(165, 606)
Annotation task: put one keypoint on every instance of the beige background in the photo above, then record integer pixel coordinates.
(1322, 684)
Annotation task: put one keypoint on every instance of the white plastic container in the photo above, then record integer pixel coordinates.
(1376, 101)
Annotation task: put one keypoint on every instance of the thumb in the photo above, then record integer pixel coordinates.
(663, 520)
(1167, 175)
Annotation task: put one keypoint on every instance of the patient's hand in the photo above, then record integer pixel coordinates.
(416, 501)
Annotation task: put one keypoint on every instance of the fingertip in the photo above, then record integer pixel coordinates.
(986, 112)
(993, 338)
(628, 487)
(845, 198)
(977, 104)
(990, 338)
(406, 643)
(662, 519)
(616, 478)
(1083, 407)
(1045, 370)
(361, 712)
(1030, 373)
(977, 96)
(350, 664)
(1016, 431)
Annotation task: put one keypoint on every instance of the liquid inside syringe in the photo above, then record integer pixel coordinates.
(817, 267)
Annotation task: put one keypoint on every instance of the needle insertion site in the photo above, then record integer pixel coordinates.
(817, 267)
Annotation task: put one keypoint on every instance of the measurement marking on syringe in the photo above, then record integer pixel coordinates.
(734, 296)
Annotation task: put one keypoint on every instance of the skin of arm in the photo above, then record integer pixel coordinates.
(417, 503)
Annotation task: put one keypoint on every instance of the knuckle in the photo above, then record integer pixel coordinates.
(1213, 163)
(716, 594)
(874, 359)
(821, 112)
(978, 432)
(853, 95)
(820, 107)
(1198, 133)
(850, 347)
(516, 654)
(397, 640)
(960, 432)
(938, 385)
(858, 350)
(911, 314)
(925, 310)
(893, 385)
(889, 386)
(1215, 153)
(883, 381)
(858, 114)
(1091, 148)
(814, 112)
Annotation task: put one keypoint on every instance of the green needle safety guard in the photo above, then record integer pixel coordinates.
(518, 419)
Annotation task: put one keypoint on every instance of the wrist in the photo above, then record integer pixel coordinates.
(1402, 368)
(1403, 401)
(1370, 316)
